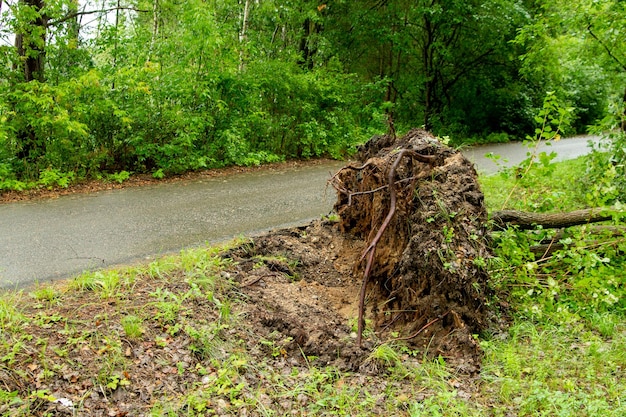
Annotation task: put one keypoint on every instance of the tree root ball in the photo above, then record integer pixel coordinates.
(418, 206)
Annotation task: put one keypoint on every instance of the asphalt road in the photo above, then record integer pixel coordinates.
(514, 153)
(53, 239)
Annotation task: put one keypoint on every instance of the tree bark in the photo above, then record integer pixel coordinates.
(155, 28)
(30, 44)
(624, 112)
(242, 34)
(527, 220)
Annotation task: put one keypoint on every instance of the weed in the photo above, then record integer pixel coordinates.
(45, 293)
(115, 381)
(205, 340)
(119, 177)
(9, 398)
(168, 306)
(276, 348)
(11, 347)
(107, 283)
(332, 218)
(132, 326)
(10, 316)
(111, 360)
(385, 354)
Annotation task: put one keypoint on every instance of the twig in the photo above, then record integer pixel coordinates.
(424, 327)
(254, 281)
(382, 187)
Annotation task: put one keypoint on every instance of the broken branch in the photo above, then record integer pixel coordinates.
(527, 220)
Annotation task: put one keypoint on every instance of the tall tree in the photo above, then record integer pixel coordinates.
(423, 49)
(578, 49)
(605, 23)
(30, 39)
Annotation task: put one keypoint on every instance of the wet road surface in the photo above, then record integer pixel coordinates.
(53, 239)
(514, 153)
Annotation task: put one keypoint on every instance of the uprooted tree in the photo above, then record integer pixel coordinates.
(418, 207)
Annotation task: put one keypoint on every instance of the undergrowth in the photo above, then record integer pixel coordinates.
(565, 291)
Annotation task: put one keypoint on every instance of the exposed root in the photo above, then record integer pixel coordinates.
(417, 205)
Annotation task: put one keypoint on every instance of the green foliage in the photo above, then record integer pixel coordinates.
(185, 87)
(605, 176)
(52, 177)
(576, 52)
(132, 326)
(584, 277)
(46, 133)
(119, 177)
(166, 109)
(584, 274)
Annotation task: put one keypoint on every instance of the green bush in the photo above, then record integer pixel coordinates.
(605, 178)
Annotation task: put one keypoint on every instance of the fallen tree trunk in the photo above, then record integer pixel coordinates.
(417, 207)
(528, 220)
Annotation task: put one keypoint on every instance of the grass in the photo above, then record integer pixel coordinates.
(563, 354)
(551, 187)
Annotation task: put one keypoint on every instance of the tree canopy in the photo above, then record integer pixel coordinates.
(96, 88)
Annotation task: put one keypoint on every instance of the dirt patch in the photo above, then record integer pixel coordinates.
(301, 291)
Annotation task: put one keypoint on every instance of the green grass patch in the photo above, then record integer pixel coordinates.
(548, 186)
(556, 369)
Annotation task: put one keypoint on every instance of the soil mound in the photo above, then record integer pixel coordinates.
(417, 275)
(417, 205)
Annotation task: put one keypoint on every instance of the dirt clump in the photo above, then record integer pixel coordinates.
(417, 205)
(300, 291)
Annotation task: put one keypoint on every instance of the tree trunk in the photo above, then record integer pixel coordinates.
(155, 28)
(624, 112)
(30, 44)
(526, 220)
(308, 48)
(242, 33)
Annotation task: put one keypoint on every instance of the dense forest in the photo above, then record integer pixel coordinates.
(160, 86)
